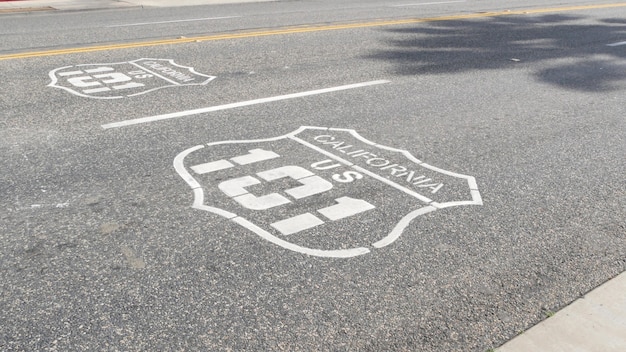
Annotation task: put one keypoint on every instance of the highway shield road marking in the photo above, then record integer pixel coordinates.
(320, 191)
(124, 79)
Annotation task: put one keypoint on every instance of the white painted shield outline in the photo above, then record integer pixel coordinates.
(53, 77)
(396, 232)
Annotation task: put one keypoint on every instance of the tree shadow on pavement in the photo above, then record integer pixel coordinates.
(573, 53)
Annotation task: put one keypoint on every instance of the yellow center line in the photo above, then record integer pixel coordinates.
(305, 29)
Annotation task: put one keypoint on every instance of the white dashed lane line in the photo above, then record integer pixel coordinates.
(176, 21)
(428, 3)
(617, 44)
(239, 104)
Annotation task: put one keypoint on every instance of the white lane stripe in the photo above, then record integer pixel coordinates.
(176, 21)
(428, 3)
(237, 105)
(617, 44)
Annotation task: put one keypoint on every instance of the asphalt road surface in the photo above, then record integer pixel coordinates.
(307, 175)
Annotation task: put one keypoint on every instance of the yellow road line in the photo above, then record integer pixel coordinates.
(306, 29)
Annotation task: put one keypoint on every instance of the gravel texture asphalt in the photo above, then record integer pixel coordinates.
(101, 248)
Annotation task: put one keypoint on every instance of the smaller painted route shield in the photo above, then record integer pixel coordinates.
(124, 79)
(319, 191)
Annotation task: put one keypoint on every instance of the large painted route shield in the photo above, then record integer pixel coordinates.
(124, 79)
(320, 191)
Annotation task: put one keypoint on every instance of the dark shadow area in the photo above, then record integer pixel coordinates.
(614, 20)
(572, 55)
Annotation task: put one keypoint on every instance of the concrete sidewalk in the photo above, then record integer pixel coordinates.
(593, 323)
(69, 5)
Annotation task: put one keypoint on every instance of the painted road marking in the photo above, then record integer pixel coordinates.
(309, 29)
(124, 79)
(238, 105)
(297, 223)
(320, 215)
(212, 166)
(364, 171)
(345, 207)
(254, 156)
(428, 3)
(617, 44)
(175, 21)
